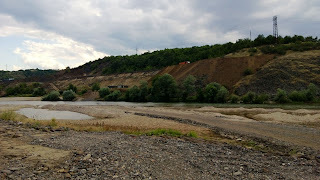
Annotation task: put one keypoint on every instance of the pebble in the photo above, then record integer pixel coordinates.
(238, 173)
(87, 157)
(8, 172)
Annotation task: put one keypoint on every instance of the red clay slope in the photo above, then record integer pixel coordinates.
(226, 71)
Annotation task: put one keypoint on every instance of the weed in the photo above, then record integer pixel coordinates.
(168, 132)
(53, 123)
(8, 115)
(192, 134)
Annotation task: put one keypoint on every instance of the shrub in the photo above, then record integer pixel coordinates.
(234, 99)
(114, 96)
(8, 115)
(96, 87)
(281, 96)
(249, 97)
(52, 96)
(222, 95)
(169, 132)
(103, 92)
(133, 94)
(312, 92)
(68, 95)
(73, 88)
(39, 91)
(298, 96)
(260, 99)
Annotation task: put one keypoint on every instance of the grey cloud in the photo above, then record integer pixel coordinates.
(151, 24)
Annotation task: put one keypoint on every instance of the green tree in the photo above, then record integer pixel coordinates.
(133, 94)
(114, 96)
(52, 96)
(96, 87)
(103, 92)
(164, 88)
(73, 88)
(68, 95)
(281, 96)
(143, 91)
(189, 87)
(211, 92)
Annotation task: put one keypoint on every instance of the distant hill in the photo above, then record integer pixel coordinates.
(23, 74)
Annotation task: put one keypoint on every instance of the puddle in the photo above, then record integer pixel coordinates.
(45, 114)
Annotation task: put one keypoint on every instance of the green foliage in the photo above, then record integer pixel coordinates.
(166, 132)
(20, 89)
(68, 95)
(52, 96)
(249, 97)
(144, 91)
(312, 92)
(8, 115)
(133, 94)
(72, 88)
(164, 88)
(298, 96)
(260, 99)
(114, 96)
(192, 134)
(215, 93)
(234, 99)
(96, 87)
(39, 92)
(281, 96)
(103, 92)
(83, 91)
(189, 87)
(53, 122)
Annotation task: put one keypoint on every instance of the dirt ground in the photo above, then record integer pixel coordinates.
(27, 152)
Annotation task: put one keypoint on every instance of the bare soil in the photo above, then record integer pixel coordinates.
(253, 144)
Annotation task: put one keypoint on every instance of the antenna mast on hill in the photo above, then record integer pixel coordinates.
(275, 27)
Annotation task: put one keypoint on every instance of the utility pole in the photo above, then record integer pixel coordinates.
(250, 35)
(136, 50)
(6, 67)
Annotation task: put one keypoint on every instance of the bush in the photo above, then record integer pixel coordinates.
(103, 92)
(234, 99)
(73, 88)
(222, 95)
(312, 92)
(114, 96)
(96, 87)
(133, 94)
(260, 99)
(249, 97)
(52, 96)
(298, 96)
(39, 92)
(68, 95)
(281, 96)
(164, 88)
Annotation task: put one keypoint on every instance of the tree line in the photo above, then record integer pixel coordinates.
(163, 58)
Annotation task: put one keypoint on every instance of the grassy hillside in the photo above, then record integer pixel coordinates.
(293, 71)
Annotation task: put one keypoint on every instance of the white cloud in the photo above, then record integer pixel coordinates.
(48, 50)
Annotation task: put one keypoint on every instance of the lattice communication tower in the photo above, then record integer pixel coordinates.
(275, 27)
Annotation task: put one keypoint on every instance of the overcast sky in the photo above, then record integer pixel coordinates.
(54, 34)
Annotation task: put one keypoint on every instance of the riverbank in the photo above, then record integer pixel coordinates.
(27, 153)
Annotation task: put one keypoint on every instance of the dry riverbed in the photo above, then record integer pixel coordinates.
(225, 148)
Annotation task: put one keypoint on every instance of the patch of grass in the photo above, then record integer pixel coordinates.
(53, 123)
(167, 132)
(192, 134)
(8, 115)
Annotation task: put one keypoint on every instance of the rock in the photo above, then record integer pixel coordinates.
(8, 172)
(14, 169)
(62, 171)
(87, 157)
(238, 173)
(68, 175)
(46, 169)
(83, 171)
